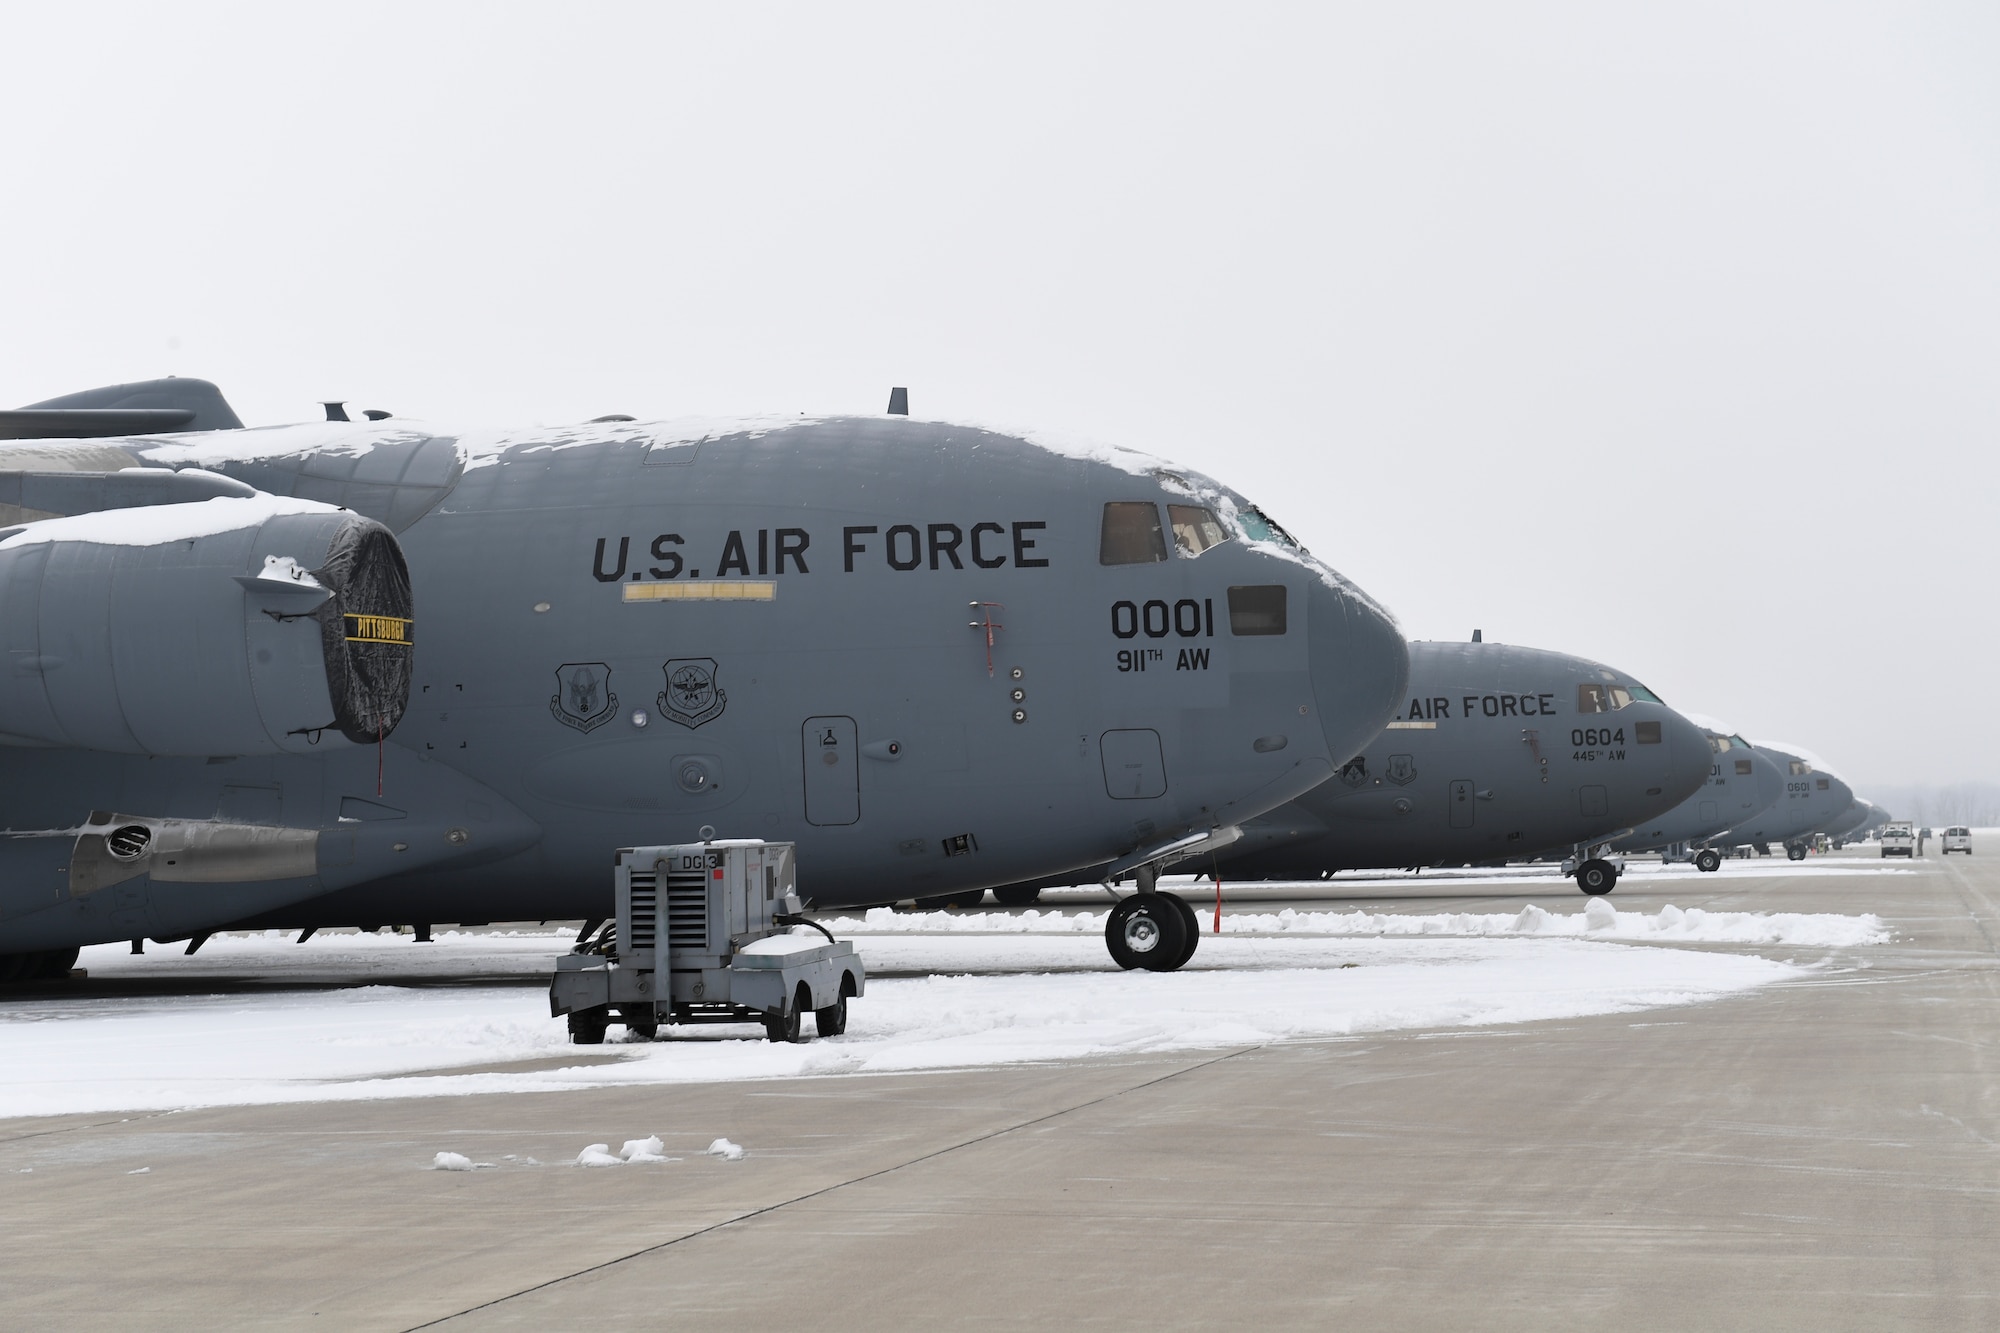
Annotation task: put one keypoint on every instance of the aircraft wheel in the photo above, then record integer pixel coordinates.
(1146, 931)
(1708, 860)
(1193, 925)
(1596, 877)
(832, 1020)
(971, 899)
(587, 1026)
(1016, 895)
(1795, 853)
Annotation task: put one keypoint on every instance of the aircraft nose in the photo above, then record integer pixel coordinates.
(1689, 756)
(1360, 665)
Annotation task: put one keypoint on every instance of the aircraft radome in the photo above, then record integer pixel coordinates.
(365, 673)
(1498, 753)
(1741, 782)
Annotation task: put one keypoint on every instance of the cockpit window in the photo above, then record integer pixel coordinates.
(1259, 528)
(1258, 608)
(1738, 743)
(1592, 698)
(1642, 694)
(1620, 697)
(1800, 768)
(1195, 529)
(1131, 534)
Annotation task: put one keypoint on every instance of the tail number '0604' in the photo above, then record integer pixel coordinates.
(1588, 741)
(1157, 619)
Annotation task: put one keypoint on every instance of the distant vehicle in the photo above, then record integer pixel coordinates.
(1958, 839)
(1899, 838)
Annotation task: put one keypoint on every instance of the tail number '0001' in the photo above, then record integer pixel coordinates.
(1157, 619)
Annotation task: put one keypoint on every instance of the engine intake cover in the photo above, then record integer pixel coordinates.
(225, 627)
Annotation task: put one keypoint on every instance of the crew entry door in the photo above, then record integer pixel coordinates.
(1460, 795)
(833, 771)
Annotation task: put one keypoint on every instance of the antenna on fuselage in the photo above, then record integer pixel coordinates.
(1476, 638)
(899, 402)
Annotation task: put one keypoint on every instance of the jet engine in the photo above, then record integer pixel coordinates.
(231, 626)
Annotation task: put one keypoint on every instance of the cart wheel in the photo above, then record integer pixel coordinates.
(642, 1025)
(782, 1027)
(832, 1020)
(586, 1026)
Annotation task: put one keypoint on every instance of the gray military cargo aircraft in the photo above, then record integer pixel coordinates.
(1500, 753)
(935, 657)
(1741, 782)
(1812, 797)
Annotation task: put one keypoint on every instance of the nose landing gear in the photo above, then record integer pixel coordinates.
(1595, 874)
(1154, 930)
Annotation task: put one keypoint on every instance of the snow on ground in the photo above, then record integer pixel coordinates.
(1598, 920)
(966, 995)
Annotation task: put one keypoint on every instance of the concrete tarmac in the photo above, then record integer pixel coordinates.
(1823, 1154)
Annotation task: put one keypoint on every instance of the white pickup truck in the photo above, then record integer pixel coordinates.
(1958, 839)
(1899, 839)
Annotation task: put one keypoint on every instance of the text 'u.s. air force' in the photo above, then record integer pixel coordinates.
(768, 552)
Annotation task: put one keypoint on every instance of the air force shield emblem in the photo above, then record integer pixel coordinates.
(1402, 770)
(692, 697)
(583, 697)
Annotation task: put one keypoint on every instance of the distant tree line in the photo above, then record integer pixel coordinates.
(1970, 803)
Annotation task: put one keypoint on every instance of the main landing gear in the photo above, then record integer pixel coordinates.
(1708, 860)
(1150, 929)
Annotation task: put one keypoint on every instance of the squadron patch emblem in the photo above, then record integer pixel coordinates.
(1355, 771)
(583, 697)
(692, 697)
(1402, 770)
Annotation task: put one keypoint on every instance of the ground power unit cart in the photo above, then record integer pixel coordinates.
(703, 934)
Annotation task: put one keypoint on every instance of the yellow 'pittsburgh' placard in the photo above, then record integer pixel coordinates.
(380, 629)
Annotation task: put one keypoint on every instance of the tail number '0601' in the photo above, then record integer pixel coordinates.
(1157, 619)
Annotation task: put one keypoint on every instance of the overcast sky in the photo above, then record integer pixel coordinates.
(1666, 337)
